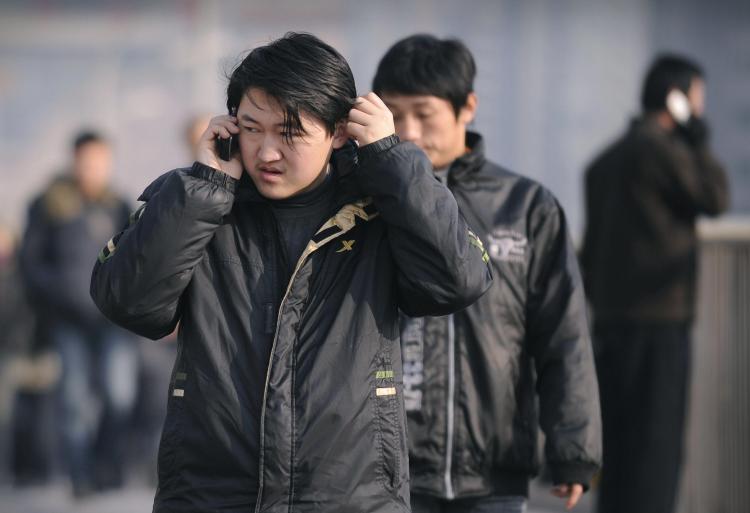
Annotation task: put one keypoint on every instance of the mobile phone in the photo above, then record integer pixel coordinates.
(226, 148)
(678, 106)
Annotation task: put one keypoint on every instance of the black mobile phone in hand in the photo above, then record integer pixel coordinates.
(226, 148)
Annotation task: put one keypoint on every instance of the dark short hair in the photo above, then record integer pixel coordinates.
(667, 72)
(85, 137)
(303, 74)
(425, 65)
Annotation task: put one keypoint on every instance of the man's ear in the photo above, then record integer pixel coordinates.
(340, 136)
(469, 110)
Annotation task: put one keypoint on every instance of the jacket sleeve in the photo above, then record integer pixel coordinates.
(690, 177)
(441, 265)
(559, 341)
(142, 272)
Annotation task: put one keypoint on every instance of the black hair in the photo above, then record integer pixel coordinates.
(425, 65)
(303, 74)
(667, 72)
(85, 137)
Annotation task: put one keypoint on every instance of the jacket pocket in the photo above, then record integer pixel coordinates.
(387, 396)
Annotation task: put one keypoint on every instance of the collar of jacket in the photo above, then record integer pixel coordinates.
(649, 124)
(64, 200)
(467, 164)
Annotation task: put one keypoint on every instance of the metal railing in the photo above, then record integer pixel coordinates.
(716, 474)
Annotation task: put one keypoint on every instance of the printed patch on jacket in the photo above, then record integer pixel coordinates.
(109, 250)
(507, 245)
(475, 241)
(412, 349)
(346, 245)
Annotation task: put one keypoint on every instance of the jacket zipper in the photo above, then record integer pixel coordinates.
(449, 493)
(261, 456)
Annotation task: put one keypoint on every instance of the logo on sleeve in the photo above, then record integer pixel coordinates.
(507, 245)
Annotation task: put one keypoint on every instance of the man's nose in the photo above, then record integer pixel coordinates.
(269, 150)
(408, 129)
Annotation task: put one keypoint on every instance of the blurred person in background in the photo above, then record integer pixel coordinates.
(16, 332)
(29, 371)
(472, 379)
(643, 195)
(67, 224)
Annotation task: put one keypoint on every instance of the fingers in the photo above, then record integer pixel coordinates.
(365, 105)
(575, 495)
(356, 130)
(375, 99)
(571, 492)
(359, 117)
(369, 120)
(221, 126)
(370, 103)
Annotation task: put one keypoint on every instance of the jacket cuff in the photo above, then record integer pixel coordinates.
(214, 176)
(369, 150)
(573, 472)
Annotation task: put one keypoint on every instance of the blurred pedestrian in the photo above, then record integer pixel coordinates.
(67, 224)
(643, 195)
(16, 331)
(472, 379)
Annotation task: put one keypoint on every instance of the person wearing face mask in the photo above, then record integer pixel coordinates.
(643, 196)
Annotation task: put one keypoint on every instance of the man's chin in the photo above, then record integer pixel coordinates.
(273, 193)
(434, 158)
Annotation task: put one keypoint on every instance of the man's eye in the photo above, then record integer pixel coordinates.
(424, 115)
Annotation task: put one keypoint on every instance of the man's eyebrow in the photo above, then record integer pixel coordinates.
(416, 104)
(246, 117)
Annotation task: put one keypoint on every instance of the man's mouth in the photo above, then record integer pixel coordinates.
(270, 174)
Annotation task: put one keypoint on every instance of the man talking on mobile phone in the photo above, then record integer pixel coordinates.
(286, 267)
(472, 380)
(643, 195)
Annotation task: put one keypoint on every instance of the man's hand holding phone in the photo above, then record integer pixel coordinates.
(369, 120)
(221, 127)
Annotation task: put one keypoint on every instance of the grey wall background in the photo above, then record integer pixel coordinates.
(557, 79)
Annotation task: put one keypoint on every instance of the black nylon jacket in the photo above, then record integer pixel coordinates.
(204, 251)
(643, 196)
(471, 378)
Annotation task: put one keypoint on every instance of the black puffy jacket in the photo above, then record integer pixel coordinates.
(471, 379)
(330, 425)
